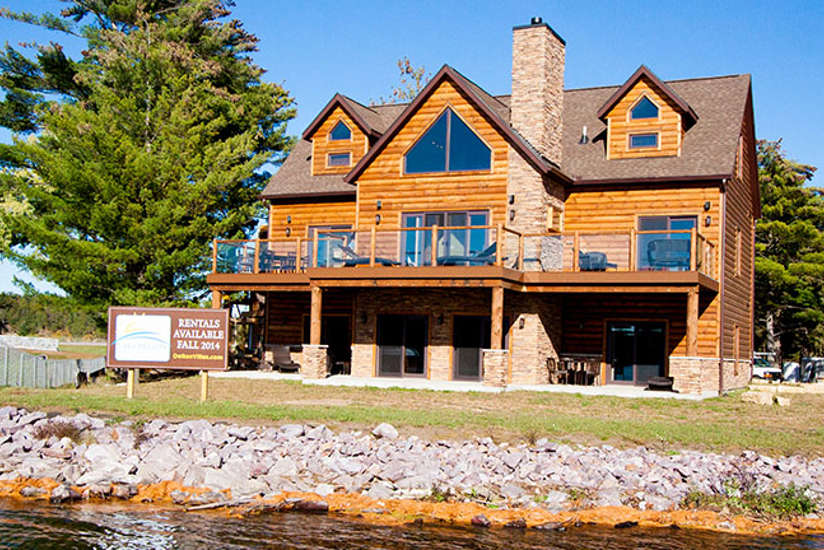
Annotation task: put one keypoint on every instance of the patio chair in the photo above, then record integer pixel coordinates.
(484, 257)
(669, 254)
(354, 259)
(594, 261)
(282, 359)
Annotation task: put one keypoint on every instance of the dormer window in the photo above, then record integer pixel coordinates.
(340, 132)
(449, 145)
(339, 159)
(643, 141)
(644, 109)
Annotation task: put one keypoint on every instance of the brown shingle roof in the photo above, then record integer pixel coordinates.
(294, 177)
(708, 150)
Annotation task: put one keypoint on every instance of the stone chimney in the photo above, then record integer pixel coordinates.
(538, 86)
(534, 202)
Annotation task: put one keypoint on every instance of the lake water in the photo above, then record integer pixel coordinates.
(27, 525)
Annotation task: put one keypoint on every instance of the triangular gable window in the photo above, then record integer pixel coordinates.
(449, 145)
(644, 109)
(340, 132)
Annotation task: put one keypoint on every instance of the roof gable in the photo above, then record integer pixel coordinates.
(669, 93)
(367, 120)
(493, 110)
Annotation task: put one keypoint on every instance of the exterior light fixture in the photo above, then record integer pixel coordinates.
(521, 322)
(708, 221)
(377, 219)
(512, 214)
(288, 231)
(288, 219)
(379, 204)
(707, 206)
(511, 199)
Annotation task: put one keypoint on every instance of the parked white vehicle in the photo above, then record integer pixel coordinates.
(762, 368)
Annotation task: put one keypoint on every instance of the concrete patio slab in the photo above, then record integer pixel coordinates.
(632, 392)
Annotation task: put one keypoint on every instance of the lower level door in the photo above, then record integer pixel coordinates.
(471, 335)
(636, 351)
(402, 341)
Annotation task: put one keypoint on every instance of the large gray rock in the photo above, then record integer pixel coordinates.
(386, 431)
(292, 430)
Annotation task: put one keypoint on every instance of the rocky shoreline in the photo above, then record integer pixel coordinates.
(201, 463)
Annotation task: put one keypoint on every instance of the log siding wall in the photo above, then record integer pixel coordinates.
(738, 290)
(308, 214)
(609, 209)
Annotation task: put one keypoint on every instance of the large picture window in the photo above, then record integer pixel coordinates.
(449, 145)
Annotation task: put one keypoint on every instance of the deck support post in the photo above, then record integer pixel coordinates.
(692, 322)
(497, 333)
(217, 299)
(315, 317)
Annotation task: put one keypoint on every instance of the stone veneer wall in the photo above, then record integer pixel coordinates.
(417, 301)
(700, 374)
(315, 361)
(538, 340)
(529, 346)
(495, 367)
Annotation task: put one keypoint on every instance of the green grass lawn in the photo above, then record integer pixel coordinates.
(724, 424)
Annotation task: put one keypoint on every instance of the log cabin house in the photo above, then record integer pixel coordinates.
(600, 235)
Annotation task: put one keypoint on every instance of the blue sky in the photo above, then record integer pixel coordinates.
(319, 48)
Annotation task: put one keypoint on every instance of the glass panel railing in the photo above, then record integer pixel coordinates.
(235, 257)
(279, 256)
(465, 246)
(603, 251)
(664, 250)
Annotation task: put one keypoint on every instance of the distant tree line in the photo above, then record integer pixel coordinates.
(49, 315)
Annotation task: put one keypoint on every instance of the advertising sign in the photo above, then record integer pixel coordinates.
(168, 338)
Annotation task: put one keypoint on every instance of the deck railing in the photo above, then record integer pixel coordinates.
(469, 246)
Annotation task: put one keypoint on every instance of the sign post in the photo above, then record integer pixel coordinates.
(168, 338)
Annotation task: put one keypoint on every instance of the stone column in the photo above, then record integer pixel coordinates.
(315, 361)
(495, 367)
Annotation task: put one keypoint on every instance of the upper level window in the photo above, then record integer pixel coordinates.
(639, 141)
(644, 109)
(340, 132)
(449, 145)
(339, 159)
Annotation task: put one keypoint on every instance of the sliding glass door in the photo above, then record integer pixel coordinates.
(402, 341)
(636, 351)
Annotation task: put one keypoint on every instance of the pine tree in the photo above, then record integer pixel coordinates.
(140, 152)
(789, 263)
